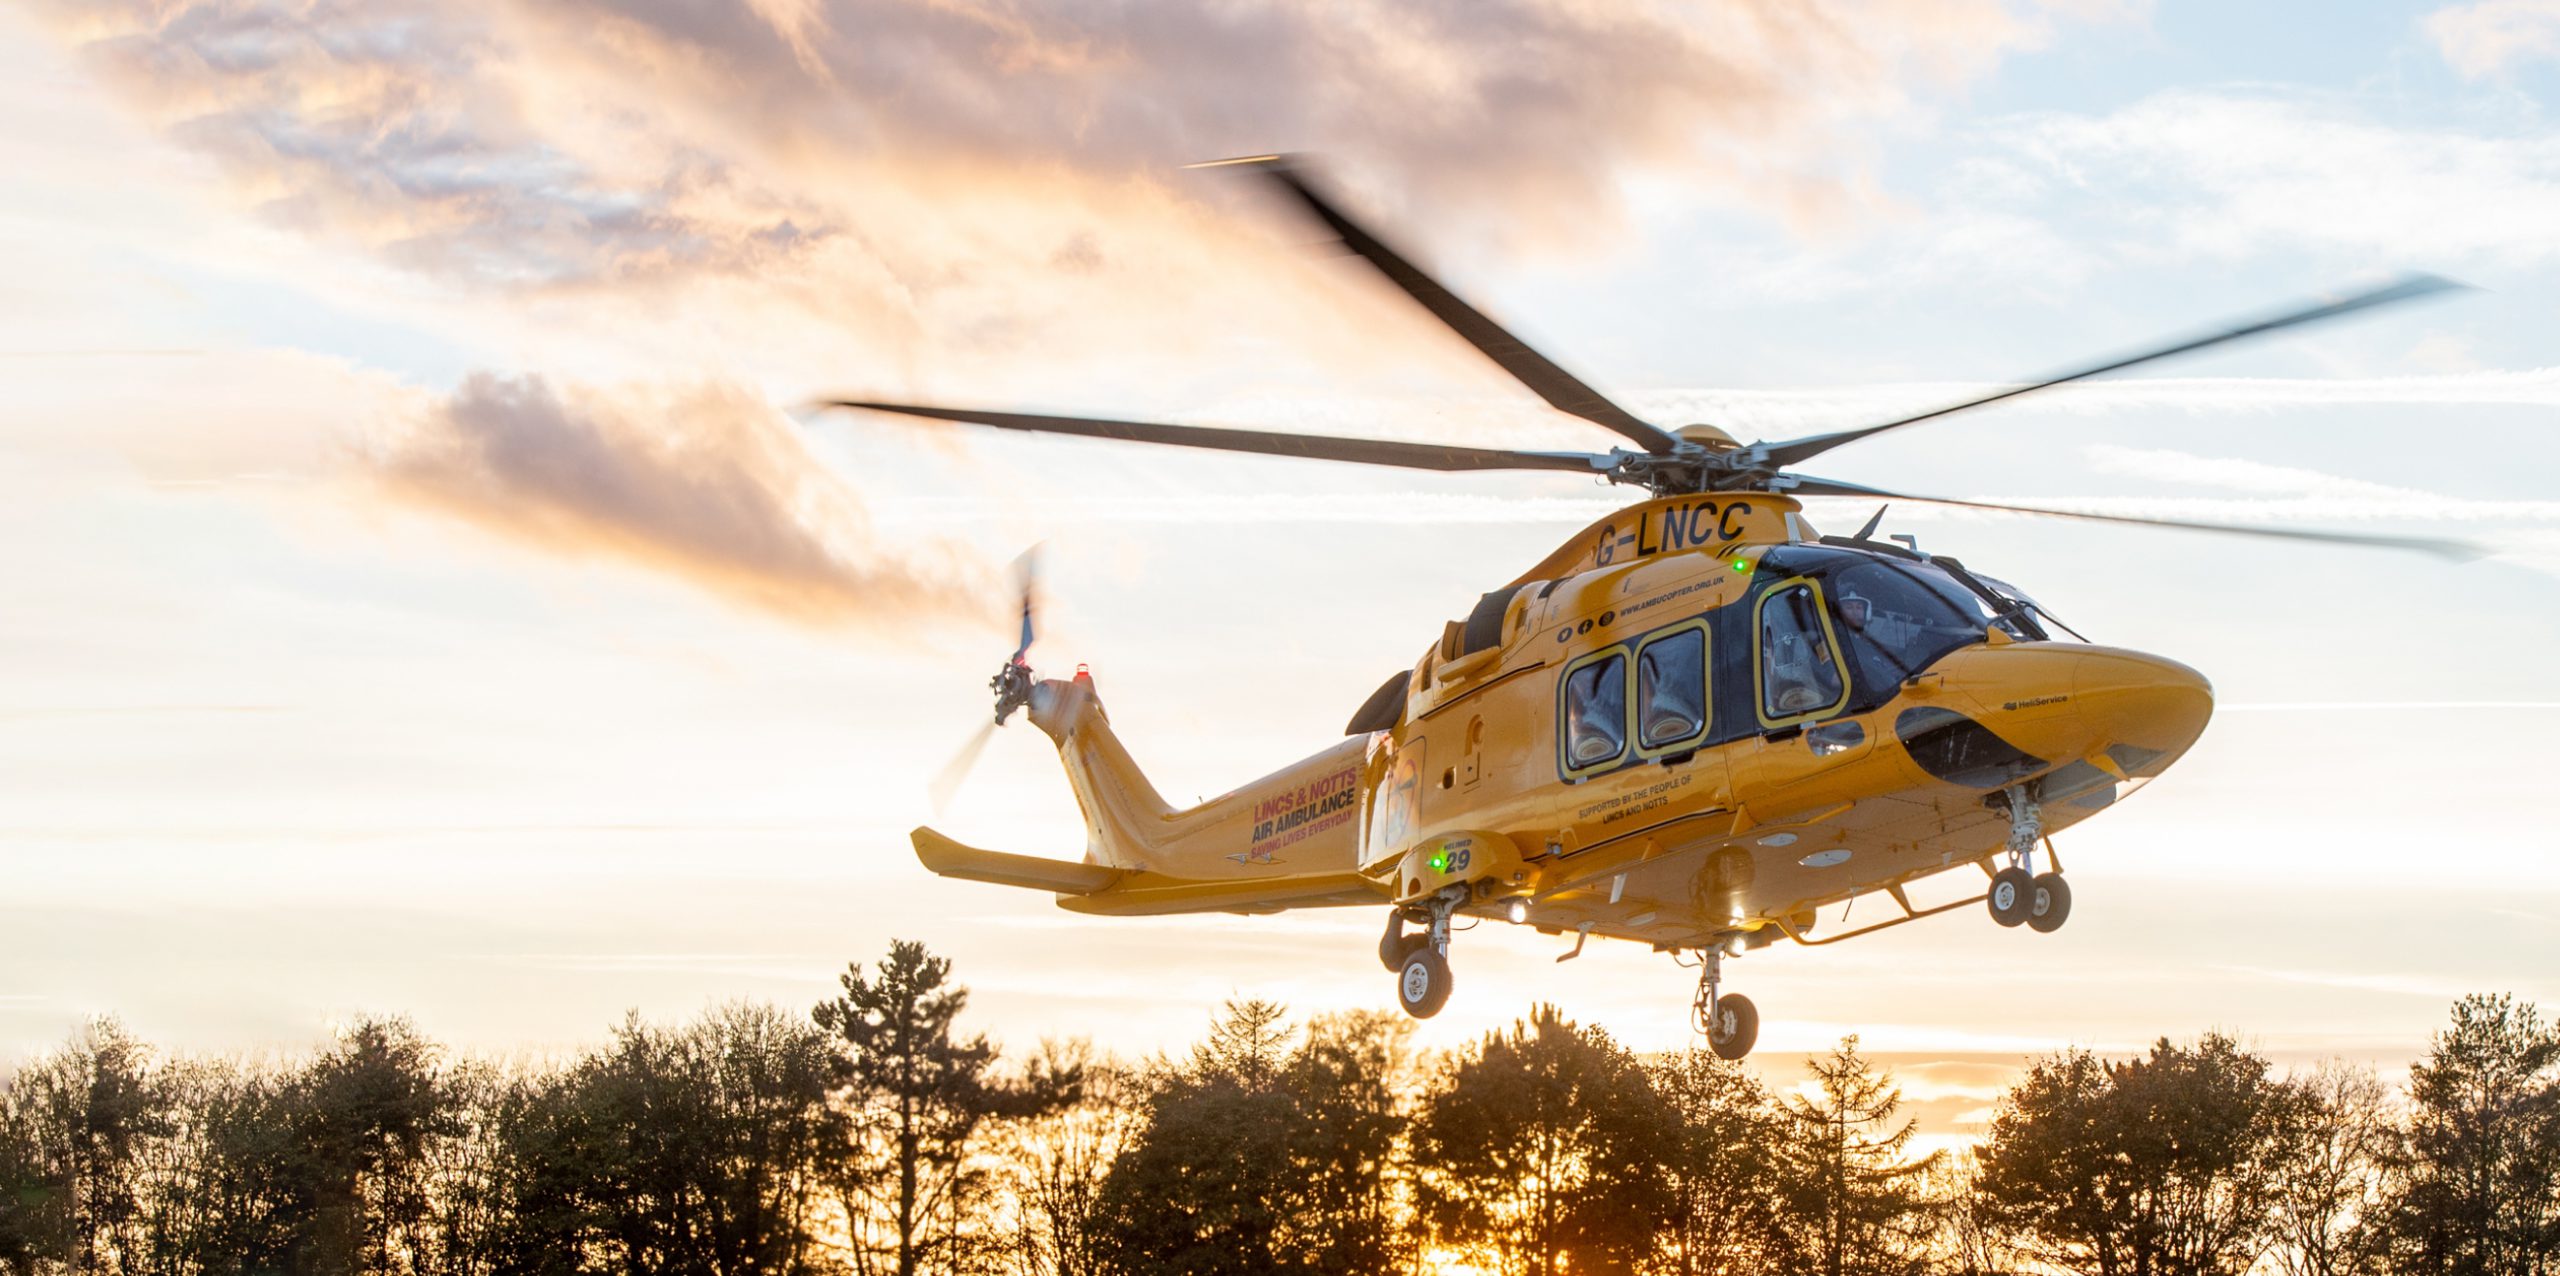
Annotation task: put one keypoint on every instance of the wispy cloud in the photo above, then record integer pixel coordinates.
(2429, 987)
(2045, 202)
(2486, 37)
(2258, 478)
(2230, 173)
(706, 482)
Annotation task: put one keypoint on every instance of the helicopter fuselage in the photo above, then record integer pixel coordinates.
(1699, 719)
(1695, 723)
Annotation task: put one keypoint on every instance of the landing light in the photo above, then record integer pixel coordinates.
(1518, 911)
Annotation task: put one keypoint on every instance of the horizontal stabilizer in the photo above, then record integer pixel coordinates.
(1066, 877)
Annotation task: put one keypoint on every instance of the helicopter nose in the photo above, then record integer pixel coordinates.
(2146, 709)
(2010, 709)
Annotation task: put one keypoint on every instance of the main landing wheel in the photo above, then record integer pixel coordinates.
(2049, 902)
(1733, 1026)
(2013, 896)
(1422, 984)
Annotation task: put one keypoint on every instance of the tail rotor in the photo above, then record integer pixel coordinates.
(1012, 686)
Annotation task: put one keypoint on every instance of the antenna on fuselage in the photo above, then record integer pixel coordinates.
(1868, 532)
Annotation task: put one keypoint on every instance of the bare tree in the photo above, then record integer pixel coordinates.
(1971, 1239)
(2341, 1136)
(73, 1129)
(1057, 1160)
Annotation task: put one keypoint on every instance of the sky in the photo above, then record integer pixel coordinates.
(425, 597)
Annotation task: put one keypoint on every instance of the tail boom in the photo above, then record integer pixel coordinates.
(1288, 840)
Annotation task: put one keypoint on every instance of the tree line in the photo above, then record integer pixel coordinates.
(873, 1135)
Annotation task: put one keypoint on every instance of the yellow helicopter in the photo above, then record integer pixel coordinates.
(1695, 723)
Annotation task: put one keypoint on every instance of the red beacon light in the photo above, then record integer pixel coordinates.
(1084, 673)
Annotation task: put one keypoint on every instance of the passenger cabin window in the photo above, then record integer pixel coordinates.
(1799, 675)
(1671, 689)
(1595, 712)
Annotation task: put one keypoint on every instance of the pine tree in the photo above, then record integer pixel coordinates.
(1246, 1043)
(1860, 1203)
(920, 1094)
(2478, 1186)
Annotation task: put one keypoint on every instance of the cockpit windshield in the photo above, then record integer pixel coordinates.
(2021, 598)
(1900, 617)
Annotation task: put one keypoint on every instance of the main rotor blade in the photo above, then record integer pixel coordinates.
(2406, 289)
(1561, 389)
(1316, 447)
(2457, 551)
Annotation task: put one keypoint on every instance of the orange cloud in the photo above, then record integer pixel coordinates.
(707, 483)
(546, 142)
(952, 199)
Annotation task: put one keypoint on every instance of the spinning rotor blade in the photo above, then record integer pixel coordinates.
(946, 782)
(1026, 571)
(1561, 389)
(1318, 447)
(2407, 289)
(2457, 551)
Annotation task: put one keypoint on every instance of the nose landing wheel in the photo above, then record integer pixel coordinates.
(2019, 895)
(2048, 902)
(2012, 895)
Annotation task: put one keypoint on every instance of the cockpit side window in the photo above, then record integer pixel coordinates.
(1671, 690)
(1593, 712)
(1800, 673)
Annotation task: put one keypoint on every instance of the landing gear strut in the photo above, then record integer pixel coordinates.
(1421, 962)
(2018, 893)
(1731, 1024)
